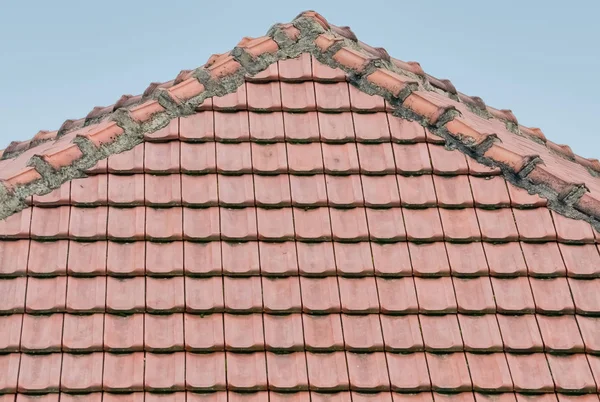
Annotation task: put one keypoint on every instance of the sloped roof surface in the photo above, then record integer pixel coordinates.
(299, 239)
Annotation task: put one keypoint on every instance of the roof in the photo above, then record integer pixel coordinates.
(303, 218)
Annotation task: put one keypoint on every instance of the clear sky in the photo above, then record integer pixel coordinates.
(539, 58)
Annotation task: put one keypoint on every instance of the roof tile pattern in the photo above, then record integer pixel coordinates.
(319, 248)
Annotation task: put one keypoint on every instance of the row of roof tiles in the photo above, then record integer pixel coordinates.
(488, 333)
(293, 294)
(539, 260)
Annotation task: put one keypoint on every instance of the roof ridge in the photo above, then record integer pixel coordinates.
(80, 144)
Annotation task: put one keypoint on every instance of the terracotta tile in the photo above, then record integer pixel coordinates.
(278, 259)
(12, 295)
(265, 96)
(39, 373)
(88, 223)
(163, 190)
(543, 259)
(474, 295)
(297, 69)
(197, 127)
(205, 371)
(418, 397)
(169, 396)
(359, 295)
(581, 398)
(323, 333)
(236, 190)
(571, 373)
(238, 224)
(581, 260)
(86, 294)
(272, 191)
(401, 334)
(199, 223)
(127, 190)
(368, 371)
(327, 371)
(199, 191)
(460, 224)
(269, 158)
(36, 398)
(490, 191)
(497, 224)
(353, 259)
(459, 397)
(243, 295)
(164, 258)
(287, 372)
(480, 333)
(204, 332)
(423, 224)
(240, 258)
(489, 372)
(449, 372)
(126, 223)
(391, 259)
(552, 296)
(275, 224)
(594, 362)
(530, 373)
(447, 162)
(284, 333)
(86, 258)
(45, 258)
(18, 224)
(199, 158)
(204, 295)
(312, 224)
(308, 190)
(513, 295)
(170, 132)
(124, 332)
(123, 372)
(232, 127)
(131, 161)
(535, 224)
(93, 397)
(332, 96)
(9, 368)
(234, 158)
(298, 96)
(163, 332)
(397, 296)
(505, 259)
(386, 224)
(125, 295)
(417, 191)
(408, 372)
(520, 333)
(340, 158)
(380, 191)
(281, 295)
(441, 333)
(10, 332)
(304, 158)
(586, 294)
(254, 396)
(560, 334)
(344, 191)
(59, 196)
(572, 230)
(320, 295)
(371, 127)
(164, 223)
(349, 224)
(246, 371)
(479, 169)
(132, 397)
(412, 159)
(316, 259)
(45, 295)
(521, 198)
(45, 223)
(301, 127)
(231, 101)
(453, 191)
(435, 295)
(13, 258)
(590, 331)
(42, 333)
(161, 157)
(165, 371)
(376, 158)
(93, 190)
(362, 333)
(323, 72)
(429, 259)
(125, 258)
(405, 130)
(362, 101)
(83, 333)
(467, 259)
(82, 372)
(164, 294)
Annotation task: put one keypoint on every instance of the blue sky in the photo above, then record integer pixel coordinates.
(538, 58)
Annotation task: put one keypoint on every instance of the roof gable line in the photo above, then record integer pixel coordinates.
(409, 92)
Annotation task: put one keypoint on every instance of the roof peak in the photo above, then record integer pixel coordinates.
(490, 136)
